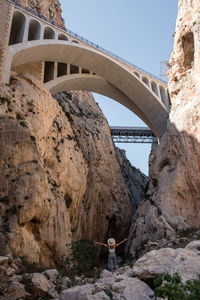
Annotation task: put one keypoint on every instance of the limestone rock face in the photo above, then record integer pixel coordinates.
(157, 262)
(172, 202)
(36, 172)
(135, 180)
(48, 8)
(105, 209)
(58, 171)
(117, 287)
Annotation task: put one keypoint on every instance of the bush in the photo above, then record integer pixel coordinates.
(84, 256)
(171, 287)
(82, 261)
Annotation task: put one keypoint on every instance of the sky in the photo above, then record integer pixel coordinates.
(140, 31)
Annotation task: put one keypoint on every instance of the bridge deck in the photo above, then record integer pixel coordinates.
(122, 134)
(88, 42)
(70, 62)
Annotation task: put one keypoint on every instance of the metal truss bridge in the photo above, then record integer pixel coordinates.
(122, 134)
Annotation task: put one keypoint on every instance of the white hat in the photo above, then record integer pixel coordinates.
(111, 242)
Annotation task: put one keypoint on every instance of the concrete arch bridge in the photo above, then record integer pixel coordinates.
(65, 61)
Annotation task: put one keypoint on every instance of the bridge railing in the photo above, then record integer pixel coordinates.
(15, 2)
(121, 134)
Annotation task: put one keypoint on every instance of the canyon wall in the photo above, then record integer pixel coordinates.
(136, 181)
(172, 202)
(48, 8)
(58, 172)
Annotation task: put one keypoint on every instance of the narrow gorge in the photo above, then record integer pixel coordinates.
(63, 181)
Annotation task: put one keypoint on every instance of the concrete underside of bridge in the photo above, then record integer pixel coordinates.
(91, 83)
(113, 79)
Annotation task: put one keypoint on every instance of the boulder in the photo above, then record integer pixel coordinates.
(194, 246)
(51, 274)
(156, 262)
(114, 287)
(132, 288)
(3, 260)
(10, 271)
(100, 296)
(16, 291)
(84, 292)
(65, 283)
(40, 283)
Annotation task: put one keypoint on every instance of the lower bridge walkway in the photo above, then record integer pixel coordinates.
(122, 134)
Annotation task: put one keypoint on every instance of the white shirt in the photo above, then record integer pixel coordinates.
(112, 250)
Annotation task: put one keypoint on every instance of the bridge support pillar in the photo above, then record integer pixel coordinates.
(68, 69)
(55, 70)
(6, 9)
(26, 29)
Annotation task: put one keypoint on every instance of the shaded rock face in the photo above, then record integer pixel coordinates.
(135, 180)
(58, 171)
(102, 210)
(49, 8)
(172, 202)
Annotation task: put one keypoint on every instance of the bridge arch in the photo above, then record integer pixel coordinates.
(62, 37)
(34, 30)
(145, 80)
(49, 33)
(164, 95)
(147, 105)
(137, 74)
(154, 88)
(75, 41)
(91, 83)
(17, 28)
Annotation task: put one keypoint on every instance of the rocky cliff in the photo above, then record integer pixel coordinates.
(58, 168)
(172, 201)
(135, 180)
(48, 8)
(58, 171)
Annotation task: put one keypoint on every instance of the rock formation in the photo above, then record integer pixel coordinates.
(131, 282)
(172, 202)
(135, 180)
(58, 172)
(48, 8)
(101, 212)
(58, 168)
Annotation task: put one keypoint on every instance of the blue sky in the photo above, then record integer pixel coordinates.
(137, 30)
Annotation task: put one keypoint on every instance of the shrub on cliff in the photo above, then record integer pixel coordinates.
(171, 287)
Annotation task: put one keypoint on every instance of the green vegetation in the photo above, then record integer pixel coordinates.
(109, 294)
(128, 259)
(189, 232)
(171, 287)
(84, 256)
(83, 260)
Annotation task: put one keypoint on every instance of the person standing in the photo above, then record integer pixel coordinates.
(112, 259)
